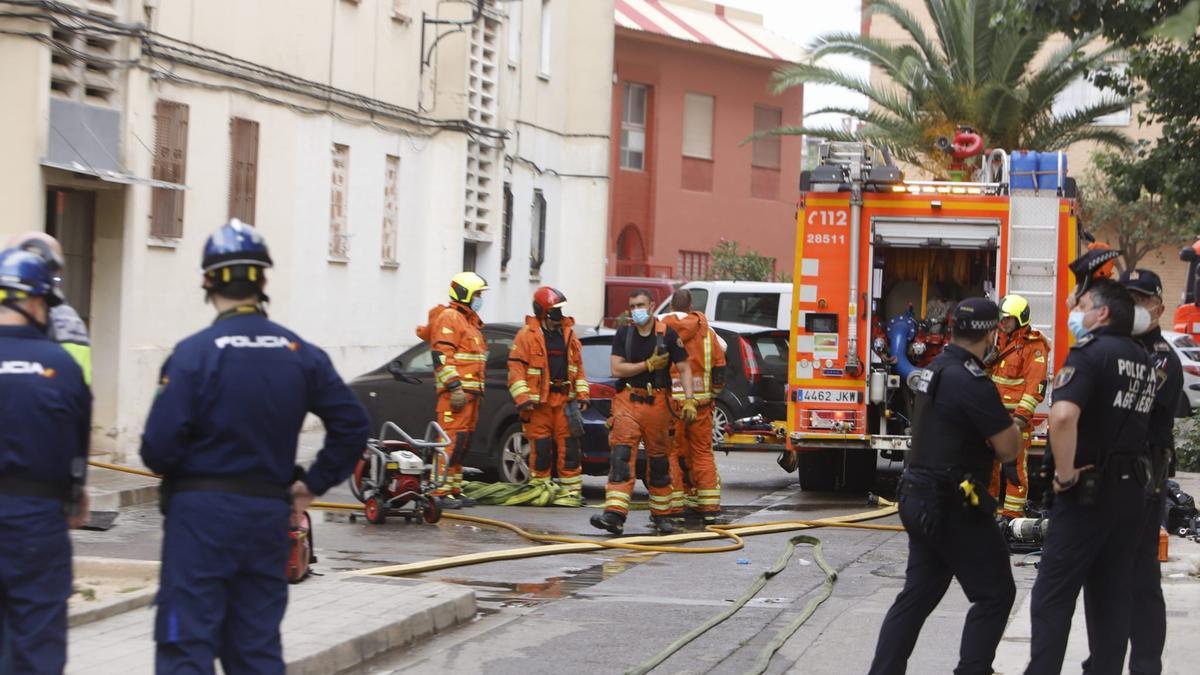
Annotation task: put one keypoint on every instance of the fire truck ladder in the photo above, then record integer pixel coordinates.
(1033, 258)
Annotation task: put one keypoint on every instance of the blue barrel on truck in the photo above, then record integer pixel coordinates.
(1048, 170)
(1023, 164)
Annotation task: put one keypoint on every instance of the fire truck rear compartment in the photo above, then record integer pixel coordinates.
(912, 291)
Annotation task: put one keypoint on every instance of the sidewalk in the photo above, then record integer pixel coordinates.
(1181, 589)
(333, 623)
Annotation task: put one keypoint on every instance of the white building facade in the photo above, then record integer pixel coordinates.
(373, 147)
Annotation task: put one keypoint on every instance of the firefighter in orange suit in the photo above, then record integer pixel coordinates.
(1018, 368)
(459, 359)
(695, 481)
(545, 375)
(641, 358)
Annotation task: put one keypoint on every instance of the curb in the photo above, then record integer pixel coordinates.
(139, 570)
(113, 500)
(436, 608)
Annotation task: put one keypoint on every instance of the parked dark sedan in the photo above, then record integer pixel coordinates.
(499, 447)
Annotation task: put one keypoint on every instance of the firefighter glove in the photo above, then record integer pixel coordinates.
(458, 399)
(1009, 470)
(525, 410)
(689, 411)
(657, 361)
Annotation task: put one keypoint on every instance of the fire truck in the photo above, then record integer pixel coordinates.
(880, 262)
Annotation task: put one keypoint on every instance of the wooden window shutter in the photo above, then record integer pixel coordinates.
(243, 168)
(170, 165)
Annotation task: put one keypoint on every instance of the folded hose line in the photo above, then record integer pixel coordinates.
(764, 658)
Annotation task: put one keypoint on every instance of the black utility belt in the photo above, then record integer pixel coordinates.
(560, 387)
(236, 486)
(26, 487)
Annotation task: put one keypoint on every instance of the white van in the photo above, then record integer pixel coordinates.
(758, 303)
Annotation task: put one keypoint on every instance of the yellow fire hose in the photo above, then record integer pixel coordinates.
(557, 544)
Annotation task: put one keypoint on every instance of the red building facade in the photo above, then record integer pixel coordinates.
(692, 83)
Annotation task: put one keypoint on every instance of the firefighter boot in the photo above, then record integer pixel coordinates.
(609, 520)
(664, 524)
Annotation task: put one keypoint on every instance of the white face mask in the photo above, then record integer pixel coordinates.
(1141, 320)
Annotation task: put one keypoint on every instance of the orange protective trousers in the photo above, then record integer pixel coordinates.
(648, 423)
(551, 444)
(459, 426)
(1015, 496)
(694, 469)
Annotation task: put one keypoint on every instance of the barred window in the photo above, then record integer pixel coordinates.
(692, 265)
(339, 244)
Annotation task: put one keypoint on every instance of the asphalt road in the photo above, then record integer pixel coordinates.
(605, 612)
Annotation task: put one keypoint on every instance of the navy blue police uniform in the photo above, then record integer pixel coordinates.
(1110, 377)
(957, 410)
(1148, 632)
(223, 431)
(45, 424)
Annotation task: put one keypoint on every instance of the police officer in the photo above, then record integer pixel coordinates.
(45, 424)
(960, 428)
(223, 432)
(65, 326)
(1149, 628)
(1102, 397)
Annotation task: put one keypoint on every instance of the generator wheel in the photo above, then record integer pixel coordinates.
(376, 513)
(356, 479)
(433, 510)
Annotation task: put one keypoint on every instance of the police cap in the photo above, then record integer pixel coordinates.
(975, 314)
(1142, 281)
(1093, 263)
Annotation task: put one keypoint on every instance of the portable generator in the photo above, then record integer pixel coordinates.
(398, 476)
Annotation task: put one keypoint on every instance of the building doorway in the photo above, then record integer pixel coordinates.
(631, 252)
(71, 219)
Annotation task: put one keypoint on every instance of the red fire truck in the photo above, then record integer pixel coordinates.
(879, 263)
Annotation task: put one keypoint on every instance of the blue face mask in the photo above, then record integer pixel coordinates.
(640, 316)
(477, 303)
(1075, 324)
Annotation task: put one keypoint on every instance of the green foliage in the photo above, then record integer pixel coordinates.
(972, 70)
(1135, 221)
(1187, 444)
(730, 264)
(1164, 72)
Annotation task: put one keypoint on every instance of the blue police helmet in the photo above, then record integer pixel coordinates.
(235, 243)
(25, 275)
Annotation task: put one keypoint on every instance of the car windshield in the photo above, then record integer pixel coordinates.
(597, 356)
(759, 309)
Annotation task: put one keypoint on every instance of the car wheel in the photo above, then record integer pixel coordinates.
(513, 465)
(720, 418)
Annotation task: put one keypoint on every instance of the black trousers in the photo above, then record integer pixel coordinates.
(967, 546)
(1090, 548)
(1148, 634)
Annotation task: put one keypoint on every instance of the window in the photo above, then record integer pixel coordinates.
(498, 348)
(692, 265)
(766, 149)
(633, 127)
(243, 168)
(597, 359)
(514, 32)
(544, 56)
(537, 228)
(506, 235)
(339, 235)
(759, 309)
(1082, 93)
(391, 197)
(470, 255)
(170, 165)
(421, 362)
(697, 126)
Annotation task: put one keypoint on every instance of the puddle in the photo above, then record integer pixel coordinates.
(573, 580)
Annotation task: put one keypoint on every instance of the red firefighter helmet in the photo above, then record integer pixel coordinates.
(546, 299)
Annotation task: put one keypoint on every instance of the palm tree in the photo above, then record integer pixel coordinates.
(975, 73)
